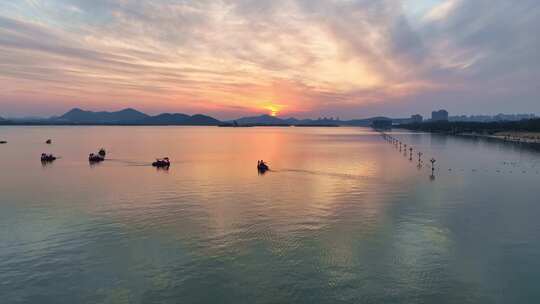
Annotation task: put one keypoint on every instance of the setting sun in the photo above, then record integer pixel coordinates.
(274, 109)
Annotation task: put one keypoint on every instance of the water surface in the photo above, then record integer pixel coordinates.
(343, 217)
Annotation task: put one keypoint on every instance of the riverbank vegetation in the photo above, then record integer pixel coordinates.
(524, 131)
(488, 128)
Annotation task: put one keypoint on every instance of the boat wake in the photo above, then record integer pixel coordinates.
(130, 162)
(322, 173)
(135, 163)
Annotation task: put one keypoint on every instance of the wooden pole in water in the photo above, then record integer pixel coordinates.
(432, 166)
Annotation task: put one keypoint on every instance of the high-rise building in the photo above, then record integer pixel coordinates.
(441, 115)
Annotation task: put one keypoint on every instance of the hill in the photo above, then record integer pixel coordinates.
(89, 117)
(180, 119)
(261, 120)
(131, 117)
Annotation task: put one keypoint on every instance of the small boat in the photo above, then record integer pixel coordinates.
(262, 166)
(48, 142)
(162, 163)
(47, 157)
(95, 158)
(102, 152)
(3, 142)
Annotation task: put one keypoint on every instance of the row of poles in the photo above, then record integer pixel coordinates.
(404, 147)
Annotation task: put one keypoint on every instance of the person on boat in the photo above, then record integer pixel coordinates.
(47, 157)
(95, 157)
(162, 163)
(262, 166)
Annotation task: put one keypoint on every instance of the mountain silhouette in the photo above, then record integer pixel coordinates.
(261, 120)
(133, 117)
(81, 116)
(180, 119)
(200, 119)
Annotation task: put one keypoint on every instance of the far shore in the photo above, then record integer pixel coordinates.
(510, 136)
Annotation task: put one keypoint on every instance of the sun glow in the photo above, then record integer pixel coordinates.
(274, 109)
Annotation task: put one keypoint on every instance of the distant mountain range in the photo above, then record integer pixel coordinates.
(182, 119)
(130, 116)
(84, 117)
(260, 120)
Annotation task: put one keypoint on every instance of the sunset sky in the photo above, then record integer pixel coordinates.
(303, 58)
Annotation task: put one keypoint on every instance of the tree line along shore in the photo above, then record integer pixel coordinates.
(524, 131)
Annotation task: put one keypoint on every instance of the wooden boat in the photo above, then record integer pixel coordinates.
(47, 157)
(95, 158)
(262, 167)
(3, 142)
(162, 163)
(48, 141)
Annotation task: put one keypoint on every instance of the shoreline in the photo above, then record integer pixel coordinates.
(508, 137)
(523, 132)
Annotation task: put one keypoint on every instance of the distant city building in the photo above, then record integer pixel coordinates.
(441, 115)
(417, 118)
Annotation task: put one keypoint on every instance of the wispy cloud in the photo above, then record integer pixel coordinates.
(348, 58)
(442, 10)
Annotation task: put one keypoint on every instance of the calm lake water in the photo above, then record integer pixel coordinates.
(343, 217)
